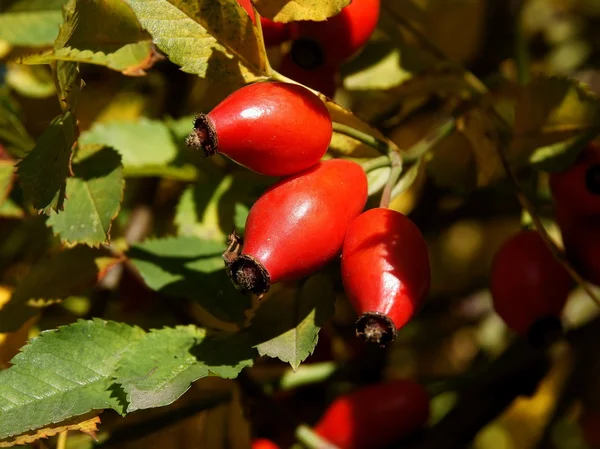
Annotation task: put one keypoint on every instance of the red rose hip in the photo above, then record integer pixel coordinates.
(528, 284)
(385, 271)
(297, 226)
(340, 36)
(263, 443)
(276, 129)
(375, 416)
(321, 77)
(578, 188)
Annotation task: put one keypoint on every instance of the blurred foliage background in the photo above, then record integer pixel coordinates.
(398, 84)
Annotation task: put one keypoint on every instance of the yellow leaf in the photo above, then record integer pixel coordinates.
(291, 11)
(87, 424)
(11, 342)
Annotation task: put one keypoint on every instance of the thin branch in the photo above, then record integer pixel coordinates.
(362, 137)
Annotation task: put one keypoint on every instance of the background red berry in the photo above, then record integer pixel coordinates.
(375, 416)
(578, 188)
(263, 443)
(527, 282)
(321, 78)
(274, 33)
(385, 270)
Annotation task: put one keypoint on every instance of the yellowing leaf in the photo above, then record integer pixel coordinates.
(210, 38)
(84, 423)
(290, 11)
(11, 342)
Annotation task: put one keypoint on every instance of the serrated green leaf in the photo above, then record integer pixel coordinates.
(163, 364)
(7, 178)
(287, 11)
(146, 146)
(30, 81)
(94, 197)
(286, 326)
(64, 373)
(83, 38)
(209, 38)
(31, 23)
(69, 83)
(54, 278)
(44, 171)
(191, 268)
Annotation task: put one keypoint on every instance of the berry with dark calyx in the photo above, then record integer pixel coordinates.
(375, 416)
(385, 271)
(321, 77)
(274, 33)
(297, 226)
(529, 286)
(263, 443)
(341, 36)
(581, 238)
(578, 188)
(272, 128)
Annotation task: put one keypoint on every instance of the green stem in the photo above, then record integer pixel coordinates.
(268, 69)
(438, 132)
(386, 196)
(306, 375)
(407, 179)
(521, 53)
(311, 440)
(375, 163)
(362, 137)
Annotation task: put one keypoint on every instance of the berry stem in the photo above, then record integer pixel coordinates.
(375, 163)
(395, 173)
(311, 440)
(263, 48)
(362, 137)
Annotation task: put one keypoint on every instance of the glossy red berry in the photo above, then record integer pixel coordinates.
(386, 272)
(321, 77)
(578, 188)
(527, 282)
(581, 238)
(272, 128)
(263, 443)
(376, 416)
(341, 36)
(298, 225)
(274, 33)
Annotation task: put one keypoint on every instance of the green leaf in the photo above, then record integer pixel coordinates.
(191, 268)
(240, 217)
(64, 373)
(94, 197)
(30, 81)
(69, 83)
(287, 324)
(84, 38)
(10, 209)
(31, 23)
(163, 364)
(209, 38)
(146, 146)
(287, 11)
(44, 171)
(54, 278)
(7, 178)
(15, 139)
(550, 110)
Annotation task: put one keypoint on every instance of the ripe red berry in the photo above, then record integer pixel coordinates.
(274, 33)
(527, 282)
(263, 443)
(578, 188)
(386, 272)
(341, 36)
(321, 77)
(375, 416)
(581, 238)
(272, 128)
(298, 225)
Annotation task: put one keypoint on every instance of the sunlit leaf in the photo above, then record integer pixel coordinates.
(31, 23)
(291, 11)
(30, 81)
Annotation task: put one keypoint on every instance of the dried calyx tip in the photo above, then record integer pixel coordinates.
(249, 275)
(375, 327)
(203, 137)
(545, 331)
